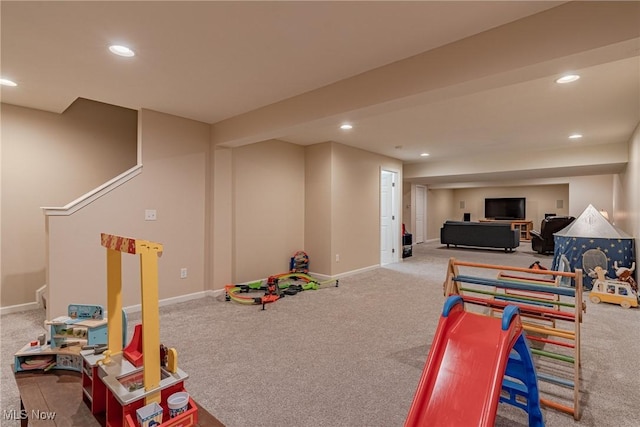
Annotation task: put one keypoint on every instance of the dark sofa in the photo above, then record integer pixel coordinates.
(480, 234)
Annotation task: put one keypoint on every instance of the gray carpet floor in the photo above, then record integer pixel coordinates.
(353, 355)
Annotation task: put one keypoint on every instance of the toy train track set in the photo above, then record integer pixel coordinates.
(277, 286)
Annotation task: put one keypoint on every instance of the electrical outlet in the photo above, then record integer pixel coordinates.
(150, 215)
(337, 257)
(183, 273)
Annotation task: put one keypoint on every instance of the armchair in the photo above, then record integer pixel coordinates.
(542, 241)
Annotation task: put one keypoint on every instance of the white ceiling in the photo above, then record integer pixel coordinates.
(240, 64)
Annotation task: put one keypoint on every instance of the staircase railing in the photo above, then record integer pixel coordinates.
(94, 194)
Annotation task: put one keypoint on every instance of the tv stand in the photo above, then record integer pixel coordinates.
(523, 226)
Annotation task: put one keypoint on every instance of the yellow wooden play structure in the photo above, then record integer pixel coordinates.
(120, 369)
(149, 253)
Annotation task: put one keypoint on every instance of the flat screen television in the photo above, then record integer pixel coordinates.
(505, 208)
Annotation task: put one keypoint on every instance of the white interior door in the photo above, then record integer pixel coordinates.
(388, 218)
(421, 197)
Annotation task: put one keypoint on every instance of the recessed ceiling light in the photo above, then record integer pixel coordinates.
(121, 50)
(575, 136)
(7, 82)
(346, 126)
(568, 78)
(424, 154)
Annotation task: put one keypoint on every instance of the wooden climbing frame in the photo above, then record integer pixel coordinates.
(545, 307)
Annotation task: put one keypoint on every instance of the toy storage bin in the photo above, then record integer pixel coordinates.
(186, 419)
(178, 403)
(150, 415)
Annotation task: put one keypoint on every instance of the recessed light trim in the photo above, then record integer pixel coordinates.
(121, 50)
(424, 154)
(575, 136)
(567, 78)
(346, 126)
(7, 82)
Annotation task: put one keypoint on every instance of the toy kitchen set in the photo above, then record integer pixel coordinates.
(137, 385)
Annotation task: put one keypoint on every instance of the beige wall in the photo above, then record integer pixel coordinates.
(343, 207)
(175, 153)
(318, 207)
(268, 212)
(439, 209)
(539, 200)
(51, 159)
(627, 194)
(221, 261)
(260, 214)
(596, 190)
(408, 209)
(576, 194)
(355, 206)
(323, 199)
(261, 203)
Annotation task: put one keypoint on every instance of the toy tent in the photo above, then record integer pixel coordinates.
(591, 230)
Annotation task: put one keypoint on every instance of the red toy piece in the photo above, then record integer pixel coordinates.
(133, 352)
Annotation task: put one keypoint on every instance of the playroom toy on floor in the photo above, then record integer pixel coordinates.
(551, 313)
(623, 290)
(475, 362)
(279, 285)
(132, 377)
(275, 288)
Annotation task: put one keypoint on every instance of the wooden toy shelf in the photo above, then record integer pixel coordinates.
(88, 332)
(94, 391)
(44, 358)
(83, 325)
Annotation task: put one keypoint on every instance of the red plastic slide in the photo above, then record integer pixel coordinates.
(462, 379)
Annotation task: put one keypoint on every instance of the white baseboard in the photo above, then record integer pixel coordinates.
(19, 307)
(130, 309)
(215, 293)
(323, 277)
(40, 300)
(175, 300)
(38, 303)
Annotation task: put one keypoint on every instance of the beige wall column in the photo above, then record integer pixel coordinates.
(221, 259)
(626, 201)
(596, 190)
(318, 207)
(440, 208)
(343, 202)
(268, 208)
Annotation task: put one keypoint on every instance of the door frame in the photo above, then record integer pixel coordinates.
(395, 212)
(424, 214)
